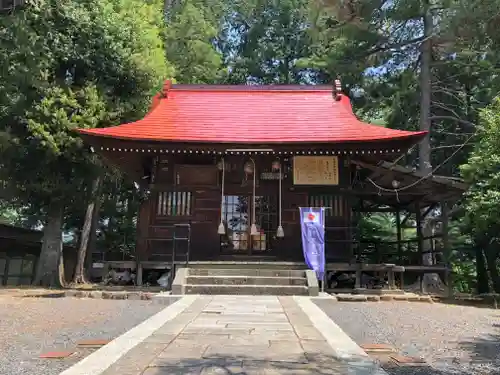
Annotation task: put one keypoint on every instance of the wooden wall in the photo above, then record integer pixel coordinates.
(187, 189)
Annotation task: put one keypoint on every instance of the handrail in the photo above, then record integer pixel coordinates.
(174, 248)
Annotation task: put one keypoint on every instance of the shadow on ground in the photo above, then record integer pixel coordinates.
(485, 351)
(317, 364)
(478, 303)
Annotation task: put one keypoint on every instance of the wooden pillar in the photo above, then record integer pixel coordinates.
(3, 281)
(357, 216)
(398, 236)
(138, 275)
(357, 235)
(357, 283)
(420, 241)
(390, 278)
(446, 246)
(142, 234)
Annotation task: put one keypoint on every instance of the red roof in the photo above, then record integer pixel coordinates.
(251, 114)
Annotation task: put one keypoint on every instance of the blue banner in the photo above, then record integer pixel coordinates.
(313, 238)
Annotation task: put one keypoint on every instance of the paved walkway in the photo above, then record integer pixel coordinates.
(245, 335)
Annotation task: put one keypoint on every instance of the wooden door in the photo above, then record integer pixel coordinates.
(237, 211)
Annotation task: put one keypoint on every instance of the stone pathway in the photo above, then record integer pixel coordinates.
(245, 335)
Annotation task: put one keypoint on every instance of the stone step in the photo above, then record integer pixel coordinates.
(247, 264)
(245, 272)
(245, 280)
(252, 290)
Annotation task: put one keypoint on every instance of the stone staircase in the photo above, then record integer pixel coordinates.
(243, 279)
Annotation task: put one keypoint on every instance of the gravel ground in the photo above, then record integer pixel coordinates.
(32, 326)
(452, 339)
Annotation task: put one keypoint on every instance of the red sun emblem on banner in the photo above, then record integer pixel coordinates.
(311, 217)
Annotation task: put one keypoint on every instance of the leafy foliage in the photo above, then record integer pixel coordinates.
(189, 41)
(68, 65)
(482, 171)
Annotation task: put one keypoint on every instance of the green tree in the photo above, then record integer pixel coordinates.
(189, 41)
(483, 199)
(67, 65)
(263, 42)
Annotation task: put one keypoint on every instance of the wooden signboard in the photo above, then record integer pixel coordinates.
(196, 175)
(315, 170)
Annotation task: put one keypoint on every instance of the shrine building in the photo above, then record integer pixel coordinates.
(226, 169)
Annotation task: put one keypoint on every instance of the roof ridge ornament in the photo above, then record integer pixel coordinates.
(337, 89)
(166, 88)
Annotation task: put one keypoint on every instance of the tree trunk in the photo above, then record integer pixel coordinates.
(79, 277)
(424, 151)
(91, 247)
(481, 272)
(491, 255)
(430, 281)
(50, 269)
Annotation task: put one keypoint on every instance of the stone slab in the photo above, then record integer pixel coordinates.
(343, 348)
(318, 352)
(159, 338)
(256, 353)
(173, 370)
(261, 327)
(195, 337)
(260, 317)
(222, 370)
(282, 368)
(215, 342)
(274, 335)
(136, 360)
(217, 331)
(205, 325)
(224, 339)
(173, 328)
(97, 362)
(196, 367)
(176, 352)
(308, 332)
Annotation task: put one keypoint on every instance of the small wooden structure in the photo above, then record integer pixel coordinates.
(231, 165)
(19, 253)
(19, 250)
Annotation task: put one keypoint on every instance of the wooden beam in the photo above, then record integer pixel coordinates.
(398, 233)
(446, 245)
(376, 192)
(420, 242)
(406, 219)
(429, 209)
(372, 209)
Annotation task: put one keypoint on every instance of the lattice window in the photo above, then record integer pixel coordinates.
(174, 203)
(334, 204)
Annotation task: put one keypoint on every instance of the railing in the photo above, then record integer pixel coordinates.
(175, 239)
(383, 251)
(362, 250)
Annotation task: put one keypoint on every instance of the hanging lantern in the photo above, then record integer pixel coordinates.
(276, 166)
(222, 229)
(248, 167)
(280, 233)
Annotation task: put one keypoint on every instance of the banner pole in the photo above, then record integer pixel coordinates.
(306, 249)
(324, 250)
